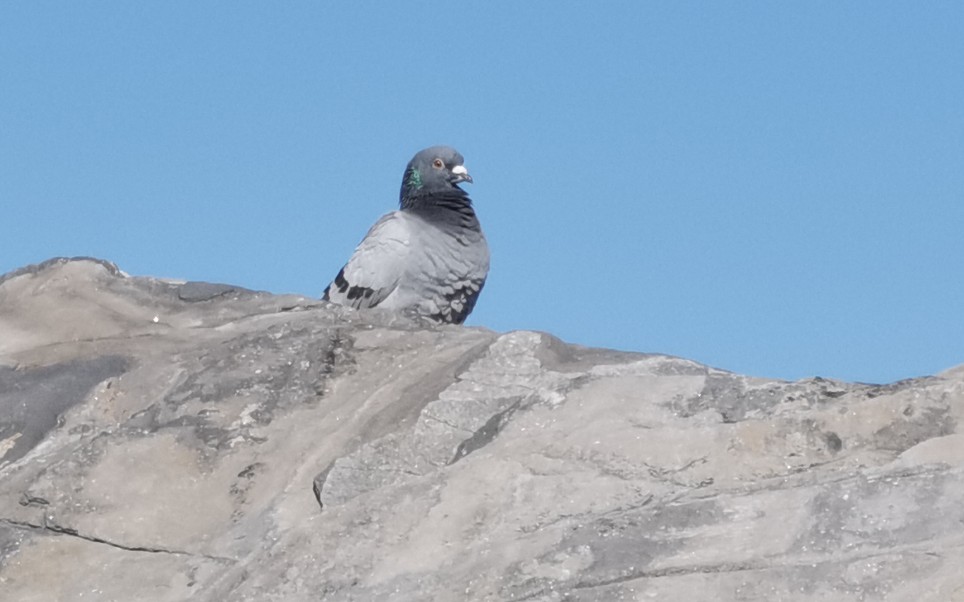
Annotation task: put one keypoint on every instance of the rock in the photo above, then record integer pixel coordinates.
(163, 440)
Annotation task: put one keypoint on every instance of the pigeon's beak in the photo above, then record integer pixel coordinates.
(461, 174)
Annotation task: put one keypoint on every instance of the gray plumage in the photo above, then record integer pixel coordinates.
(429, 257)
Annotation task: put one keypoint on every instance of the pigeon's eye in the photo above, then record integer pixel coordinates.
(438, 164)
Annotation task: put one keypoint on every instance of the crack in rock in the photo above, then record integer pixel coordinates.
(70, 532)
(486, 433)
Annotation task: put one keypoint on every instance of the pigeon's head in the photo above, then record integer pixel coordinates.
(437, 169)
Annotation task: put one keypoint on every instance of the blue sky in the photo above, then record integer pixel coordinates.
(771, 188)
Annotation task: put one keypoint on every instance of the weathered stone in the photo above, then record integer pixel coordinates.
(162, 440)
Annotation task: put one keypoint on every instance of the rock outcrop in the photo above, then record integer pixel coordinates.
(189, 441)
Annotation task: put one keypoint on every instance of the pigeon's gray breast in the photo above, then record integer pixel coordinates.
(434, 267)
(448, 269)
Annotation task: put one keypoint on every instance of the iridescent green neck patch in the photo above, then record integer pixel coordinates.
(414, 179)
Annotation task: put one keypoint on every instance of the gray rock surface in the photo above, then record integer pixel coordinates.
(187, 441)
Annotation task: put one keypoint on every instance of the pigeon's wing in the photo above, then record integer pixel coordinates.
(376, 266)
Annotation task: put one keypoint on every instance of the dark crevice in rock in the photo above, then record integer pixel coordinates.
(28, 499)
(833, 441)
(318, 483)
(486, 433)
(55, 529)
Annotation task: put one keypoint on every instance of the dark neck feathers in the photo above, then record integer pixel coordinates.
(451, 206)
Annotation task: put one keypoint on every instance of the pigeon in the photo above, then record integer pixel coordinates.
(429, 258)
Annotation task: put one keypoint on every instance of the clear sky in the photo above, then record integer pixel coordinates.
(767, 187)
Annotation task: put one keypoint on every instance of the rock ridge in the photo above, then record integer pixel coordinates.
(170, 440)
